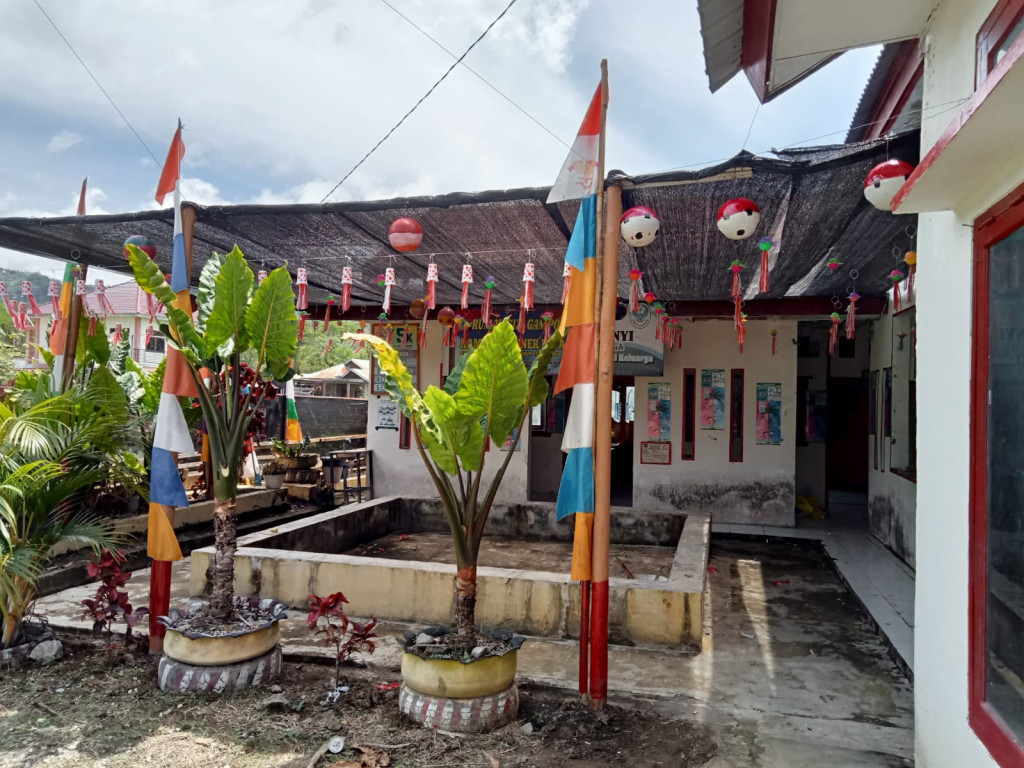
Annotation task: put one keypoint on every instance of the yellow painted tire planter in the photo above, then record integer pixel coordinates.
(217, 651)
(458, 680)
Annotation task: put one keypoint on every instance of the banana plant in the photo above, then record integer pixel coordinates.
(232, 320)
(487, 395)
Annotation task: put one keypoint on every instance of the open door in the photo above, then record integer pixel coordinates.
(623, 417)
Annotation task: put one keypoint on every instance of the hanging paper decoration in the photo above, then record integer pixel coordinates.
(528, 278)
(634, 289)
(302, 324)
(53, 292)
(346, 288)
(670, 332)
(117, 334)
(327, 347)
(649, 297)
(362, 329)
(152, 306)
(80, 292)
(385, 326)
(149, 336)
(447, 319)
(92, 324)
(26, 292)
(302, 280)
(851, 316)
(833, 264)
(432, 277)
(106, 308)
(566, 274)
(741, 331)
(405, 235)
(459, 326)
(833, 335)
(467, 279)
(261, 276)
(896, 276)
(775, 338)
(737, 268)
(659, 310)
(327, 314)
(418, 309)
(143, 243)
(737, 219)
(884, 181)
(549, 323)
(911, 261)
(389, 283)
(24, 321)
(639, 226)
(485, 308)
(765, 245)
(6, 299)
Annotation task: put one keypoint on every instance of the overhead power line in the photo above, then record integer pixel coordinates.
(421, 100)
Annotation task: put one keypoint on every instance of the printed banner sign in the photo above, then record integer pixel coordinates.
(769, 414)
(712, 398)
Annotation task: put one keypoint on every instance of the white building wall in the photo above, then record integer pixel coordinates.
(945, 250)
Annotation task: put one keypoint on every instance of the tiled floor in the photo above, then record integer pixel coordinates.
(881, 581)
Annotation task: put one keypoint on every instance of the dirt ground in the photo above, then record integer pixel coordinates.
(89, 712)
(524, 554)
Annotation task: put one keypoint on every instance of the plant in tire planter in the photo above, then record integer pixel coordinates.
(487, 395)
(232, 319)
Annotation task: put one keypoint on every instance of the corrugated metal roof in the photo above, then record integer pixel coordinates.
(721, 27)
(811, 201)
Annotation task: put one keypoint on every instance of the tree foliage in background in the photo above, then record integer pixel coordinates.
(12, 347)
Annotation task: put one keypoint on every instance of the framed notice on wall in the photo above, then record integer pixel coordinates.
(387, 414)
(405, 340)
(656, 452)
(769, 414)
(712, 398)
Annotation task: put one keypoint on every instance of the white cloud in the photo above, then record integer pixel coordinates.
(63, 141)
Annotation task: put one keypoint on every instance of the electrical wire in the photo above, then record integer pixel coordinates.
(480, 77)
(95, 80)
(423, 98)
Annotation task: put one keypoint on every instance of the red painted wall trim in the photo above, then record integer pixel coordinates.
(1002, 68)
(758, 34)
(1000, 21)
(991, 227)
(904, 74)
(734, 422)
(691, 414)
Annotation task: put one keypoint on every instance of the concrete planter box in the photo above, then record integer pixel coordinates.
(280, 564)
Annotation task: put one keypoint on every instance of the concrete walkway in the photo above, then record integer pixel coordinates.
(791, 674)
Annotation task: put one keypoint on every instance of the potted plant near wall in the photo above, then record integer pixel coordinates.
(294, 455)
(487, 396)
(273, 474)
(233, 320)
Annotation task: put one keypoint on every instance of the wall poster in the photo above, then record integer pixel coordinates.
(659, 410)
(816, 429)
(769, 414)
(387, 414)
(712, 398)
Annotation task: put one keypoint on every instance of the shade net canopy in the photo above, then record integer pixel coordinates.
(811, 202)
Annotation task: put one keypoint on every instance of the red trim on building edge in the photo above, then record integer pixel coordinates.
(1000, 21)
(692, 414)
(990, 84)
(737, 458)
(758, 34)
(903, 76)
(991, 227)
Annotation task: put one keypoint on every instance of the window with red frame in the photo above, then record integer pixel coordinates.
(997, 483)
(1000, 31)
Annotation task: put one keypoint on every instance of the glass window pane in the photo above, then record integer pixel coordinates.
(1005, 516)
(1008, 41)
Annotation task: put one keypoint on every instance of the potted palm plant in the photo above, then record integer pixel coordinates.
(487, 396)
(233, 320)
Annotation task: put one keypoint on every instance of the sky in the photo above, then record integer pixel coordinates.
(280, 100)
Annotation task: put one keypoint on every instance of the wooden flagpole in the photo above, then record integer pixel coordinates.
(604, 310)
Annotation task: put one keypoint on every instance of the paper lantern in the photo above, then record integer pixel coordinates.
(405, 234)
(833, 335)
(738, 218)
(851, 315)
(639, 226)
(911, 261)
(417, 308)
(447, 319)
(884, 181)
(143, 243)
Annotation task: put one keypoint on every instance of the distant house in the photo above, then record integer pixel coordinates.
(349, 379)
(130, 311)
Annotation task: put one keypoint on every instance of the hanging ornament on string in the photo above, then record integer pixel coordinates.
(649, 297)
(461, 326)
(634, 289)
(670, 332)
(765, 245)
(117, 334)
(741, 331)
(346, 288)
(260, 277)
(548, 319)
(6, 299)
(418, 309)
(833, 334)
(566, 275)
(485, 308)
(53, 291)
(149, 335)
(884, 181)
(467, 280)
(152, 307)
(738, 218)
(833, 264)
(911, 261)
(432, 277)
(405, 235)
(143, 243)
(24, 321)
(896, 277)
(101, 296)
(389, 283)
(362, 329)
(80, 292)
(447, 319)
(26, 292)
(302, 323)
(639, 226)
(529, 275)
(659, 311)
(327, 313)
(851, 316)
(775, 339)
(736, 291)
(385, 327)
(302, 281)
(327, 347)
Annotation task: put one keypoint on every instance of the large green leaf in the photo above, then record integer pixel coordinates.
(118, 354)
(180, 333)
(271, 323)
(494, 384)
(461, 437)
(133, 386)
(451, 382)
(225, 326)
(95, 347)
(539, 370)
(207, 289)
(104, 392)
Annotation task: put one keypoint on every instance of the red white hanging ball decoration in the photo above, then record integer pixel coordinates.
(143, 243)
(738, 218)
(639, 226)
(405, 234)
(884, 181)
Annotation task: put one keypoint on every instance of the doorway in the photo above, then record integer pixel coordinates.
(623, 418)
(846, 458)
